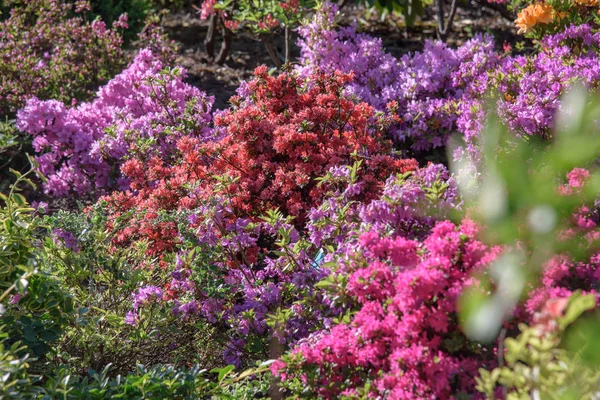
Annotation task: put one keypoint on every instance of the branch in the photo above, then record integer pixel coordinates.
(445, 25)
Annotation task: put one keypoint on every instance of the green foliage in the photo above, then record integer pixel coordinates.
(160, 382)
(410, 9)
(137, 12)
(38, 308)
(16, 381)
(13, 145)
(101, 279)
(8, 136)
(518, 198)
(538, 367)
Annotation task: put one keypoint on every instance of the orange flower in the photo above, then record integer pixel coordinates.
(534, 14)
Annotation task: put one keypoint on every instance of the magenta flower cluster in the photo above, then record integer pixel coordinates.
(402, 284)
(404, 339)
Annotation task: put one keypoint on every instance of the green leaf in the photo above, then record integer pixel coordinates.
(578, 304)
(583, 339)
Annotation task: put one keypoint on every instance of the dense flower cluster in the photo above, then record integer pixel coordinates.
(48, 50)
(532, 86)
(432, 88)
(440, 91)
(144, 110)
(404, 339)
(283, 136)
(410, 203)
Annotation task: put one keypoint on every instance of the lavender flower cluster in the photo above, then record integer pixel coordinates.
(440, 91)
(145, 109)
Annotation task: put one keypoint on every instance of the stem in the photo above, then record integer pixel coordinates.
(501, 354)
(209, 41)
(445, 25)
(440, 15)
(275, 351)
(271, 50)
(287, 44)
(225, 45)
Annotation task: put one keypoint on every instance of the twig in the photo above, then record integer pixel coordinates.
(209, 41)
(445, 25)
(287, 44)
(271, 50)
(225, 45)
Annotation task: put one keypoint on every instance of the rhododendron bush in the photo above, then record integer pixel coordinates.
(440, 90)
(404, 339)
(48, 50)
(353, 226)
(145, 109)
(403, 336)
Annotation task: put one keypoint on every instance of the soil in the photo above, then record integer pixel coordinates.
(221, 81)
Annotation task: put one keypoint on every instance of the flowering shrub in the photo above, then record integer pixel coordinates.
(48, 50)
(541, 18)
(410, 203)
(144, 110)
(400, 323)
(440, 91)
(432, 88)
(403, 341)
(545, 77)
(282, 136)
(536, 352)
(275, 144)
